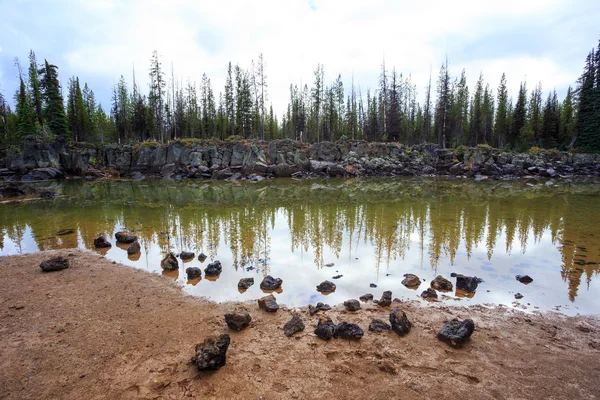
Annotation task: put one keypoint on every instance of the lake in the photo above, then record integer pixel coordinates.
(370, 231)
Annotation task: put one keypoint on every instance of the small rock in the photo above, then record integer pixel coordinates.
(526, 279)
(326, 287)
(211, 354)
(319, 307)
(170, 262)
(237, 320)
(442, 284)
(329, 265)
(400, 323)
(101, 242)
(213, 269)
(386, 299)
(366, 297)
(387, 366)
(193, 273)
(467, 283)
(337, 277)
(202, 257)
(379, 326)
(456, 332)
(187, 255)
(270, 283)
(245, 283)
(518, 296)
(352, 305)
(373, 285)
(125, 237)
(268, 303)
(134, 248)
(345, 330)
(294, 325)
(325, 328)
(411, 281)
(54, 264)
(429, 294)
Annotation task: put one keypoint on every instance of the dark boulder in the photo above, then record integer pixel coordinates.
(134, 248)
(213, 269)
(526, 279)
(270, 283)
(54, 264)
(245, 283)
(337, 277)
(345, 330)
(319, 307)
(372, 285)
(211, 354)
(386, 299)
(193, 273)
(268, 303)
(429, 294)
(326, 287)
(294, 325)
(101, 242)
(400, 323)
(366, 297)
(169, 263)
(186, 255)
(352, 305)
(379, 326)
(456, 332)
(125, 237)
(237, 320)
(518, 296)
(467, 283)
(411, 281)
(325, 328)
(202, 257)
(442, 284)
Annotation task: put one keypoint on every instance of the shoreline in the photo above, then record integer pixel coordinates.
(99, 330)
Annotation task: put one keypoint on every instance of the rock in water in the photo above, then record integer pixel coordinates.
(268, 303)
(411, 281)
(442, 284)
(386, 299)
(170, 262)
(270, 283)
(213, 269)
(237, 320)
(344, 330)
(467, 283)
(326, 287)
(352, 305)
(101, 242)
(319, 307)
(456, 332)
(245, 283)
(518, 296)
(211, 354)
(429, 294)
(193, 273)
(372, 285)
(400, 323)
(202, 257)
(294, 325)
(379, 326)
(186, 255)
(134, 248)
(54, 264)
(325, 328)
(125, 237)
(524, 279)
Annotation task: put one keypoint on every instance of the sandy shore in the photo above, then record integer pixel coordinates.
(103, 330)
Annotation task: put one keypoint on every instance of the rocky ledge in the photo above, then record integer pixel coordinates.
(257, 160)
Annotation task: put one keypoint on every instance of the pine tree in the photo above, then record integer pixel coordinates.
(535, 116)
(551, 124)
(53, 110)
(501, 126)
(26, 119)
(442, 108)
(567, 129)
(588, 119)
(519, 115)
(35, 87)
(487, 114)
(477, 117)
(395, 113)
(156, 98)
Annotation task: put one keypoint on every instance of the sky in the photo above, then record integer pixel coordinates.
(100, 40)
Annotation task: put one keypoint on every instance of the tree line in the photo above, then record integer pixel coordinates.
(451, 114)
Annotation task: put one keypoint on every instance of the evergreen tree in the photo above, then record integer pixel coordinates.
(395, 113)
(519, 115)
(535, 117)
(26, 118)
(567, 128)
(551, 121)
(442, 108)
(53, 110)
(588, 119)
(35, 87)
(487, 115)
(501, 126)
(156, 98)
(477, 117)
(230, 102)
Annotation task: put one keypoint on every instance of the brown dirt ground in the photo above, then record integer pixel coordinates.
(99, 330)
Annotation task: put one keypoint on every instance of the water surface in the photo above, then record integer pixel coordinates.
(371, 230)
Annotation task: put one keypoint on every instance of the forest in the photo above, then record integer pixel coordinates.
(451, 115)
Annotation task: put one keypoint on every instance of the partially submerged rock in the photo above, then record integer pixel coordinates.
(400, 323)
(518, 296)
(245, 283)
(456, 332)
(237, 320)
(379, 326)
(337, 277)
(54, 264)
(193, 273)
(202, 257)
(213, 269)
(211, 353)
(526, 279)
(325, 328)
(442, 284)
(268, 303)
(186, 255)
(386, 299)
(319, 307)
(270, 283)
(372, 285)
(429, 294)
(326, 287)
(125, 237)
(352, 305)
(294, 325)
(345, 330)
(467, 283)
(170, 262)
(134, 248)
(411, 281)
(366, 297)
(101, 242)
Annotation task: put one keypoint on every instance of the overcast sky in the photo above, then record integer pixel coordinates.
(98, 40)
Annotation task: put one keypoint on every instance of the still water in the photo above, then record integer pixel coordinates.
(371, 230)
